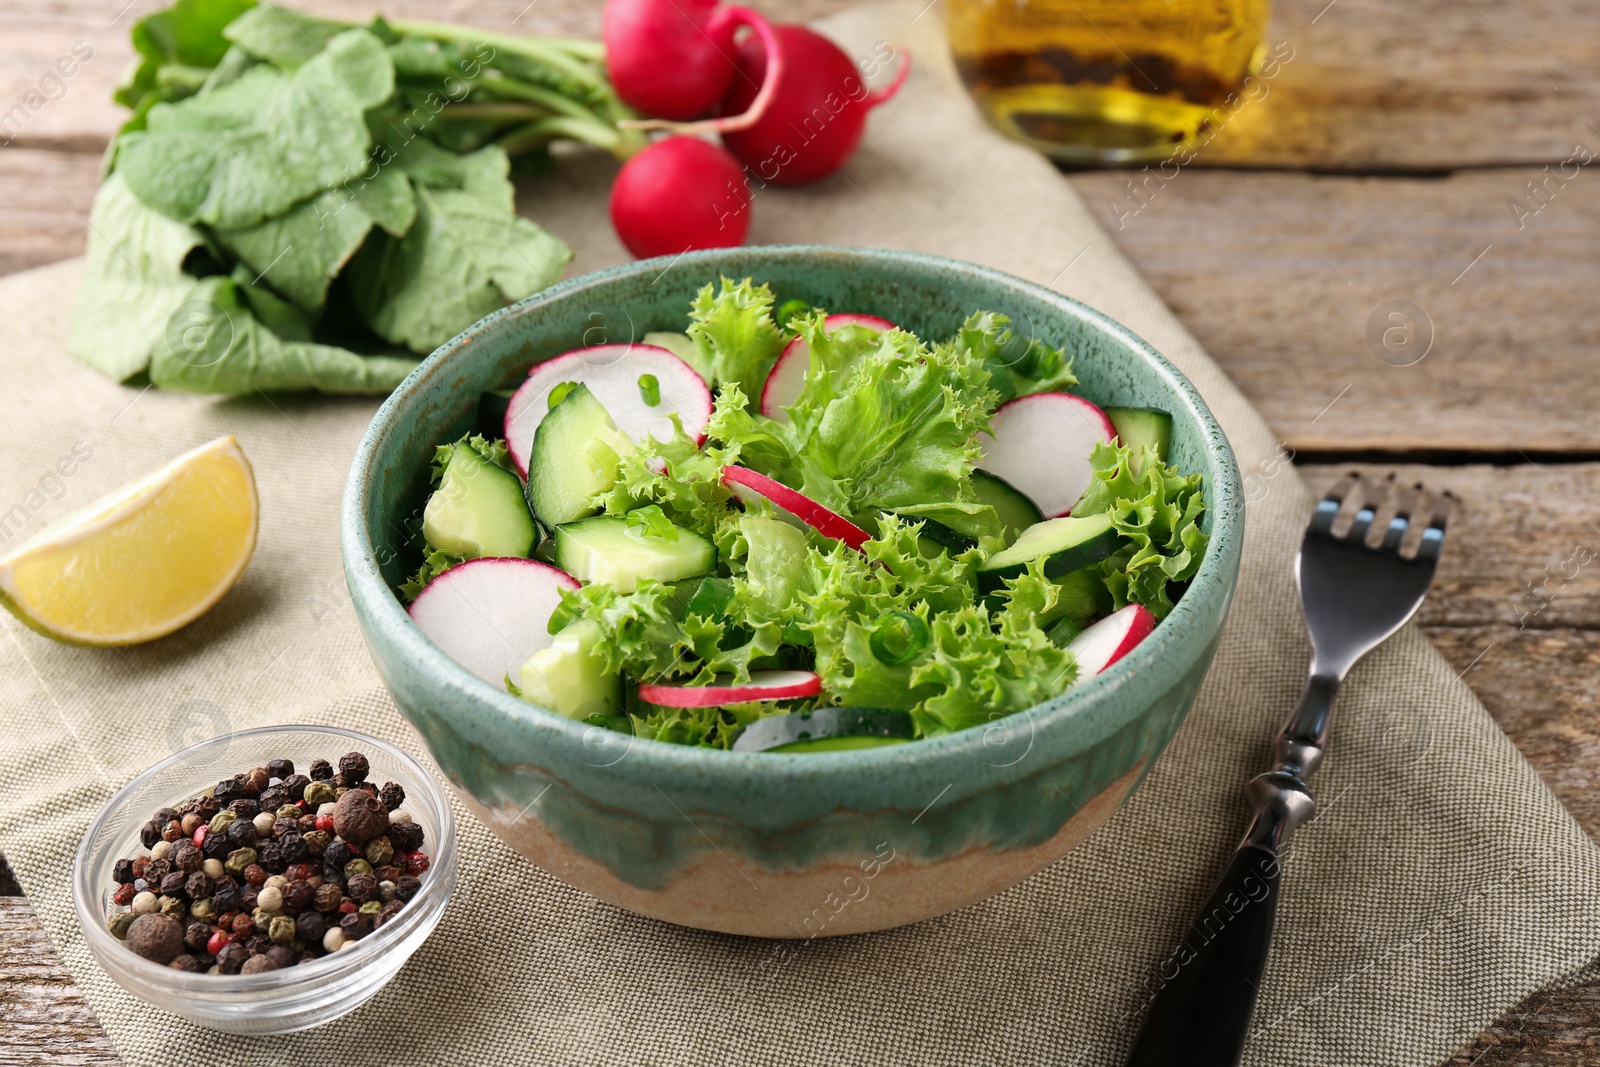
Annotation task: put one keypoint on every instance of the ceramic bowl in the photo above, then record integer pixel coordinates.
(764, 844)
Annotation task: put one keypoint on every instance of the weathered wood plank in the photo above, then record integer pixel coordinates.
(46, 1018)
(1372, 85)
(44, 205)
(1283, 277)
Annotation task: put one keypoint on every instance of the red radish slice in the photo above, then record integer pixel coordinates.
(491, 614)
(612, 373)
(747, 485)
(763, 685)
(788, 375)
(1110, 639)
(1041, 445)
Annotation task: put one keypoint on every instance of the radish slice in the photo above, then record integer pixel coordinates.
(612, 373)
(763, 685)
(491, 614)
(748, 485)
(788, 375)
(1041, 445)
(1110, 639)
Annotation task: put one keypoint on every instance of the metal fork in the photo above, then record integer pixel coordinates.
(1354, 596)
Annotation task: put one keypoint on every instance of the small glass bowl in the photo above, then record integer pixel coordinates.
(298, 997)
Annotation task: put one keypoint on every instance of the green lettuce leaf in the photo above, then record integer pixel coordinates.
(132, 283)
(1018, 366)
(468, 253)
(225, 347)
(734, 335)
(258, 145)
(1158, 510)
(434, 563)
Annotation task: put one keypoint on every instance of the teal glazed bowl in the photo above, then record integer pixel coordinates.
(766, 844)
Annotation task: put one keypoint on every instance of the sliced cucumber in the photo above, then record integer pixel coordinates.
(1016, 511)
(1142, 428)
(606, 549)
(576, 454)
(569, 678)
(825, 729)
(1066, 545)
(936, 537)
(478, 510)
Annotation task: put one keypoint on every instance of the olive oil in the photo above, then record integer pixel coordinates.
(1105, 81)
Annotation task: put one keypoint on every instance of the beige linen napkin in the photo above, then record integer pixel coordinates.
(1441, 884)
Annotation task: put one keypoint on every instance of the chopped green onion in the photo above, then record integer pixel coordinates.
(650, 389)
(789, 309)
(710, 599)
(559, 393)
(898, 638)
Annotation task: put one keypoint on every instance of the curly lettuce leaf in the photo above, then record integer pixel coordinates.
(1158, 510)
(735, 338)
(434, 563)
(1018, 366)
(899, 431)
(494, 451)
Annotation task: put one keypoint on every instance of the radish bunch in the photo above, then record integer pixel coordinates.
(789, 105)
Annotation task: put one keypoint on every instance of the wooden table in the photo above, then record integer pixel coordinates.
(1428, 152)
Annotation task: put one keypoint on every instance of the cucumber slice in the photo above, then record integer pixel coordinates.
(936, 537)
(576, 454)
(569, 678)
(478, 510)
(606, 549)
(1066, 545)
(838, 727)
(1016, 511)
(1142, 428)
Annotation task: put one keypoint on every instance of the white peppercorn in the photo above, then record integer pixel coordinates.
(333, 939)
(213, 869)
(263, 823)
(159, 850)
(270, 899)
(145, 903)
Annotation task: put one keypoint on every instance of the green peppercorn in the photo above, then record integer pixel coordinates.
(371, 907)
(204, 910)
(175, 909)
(222, 820)
(319, 793)
(357, 866)
(379, 851)
(119, 924)
(316, 841)
(281, 929)
(263, 920)
(238, 860)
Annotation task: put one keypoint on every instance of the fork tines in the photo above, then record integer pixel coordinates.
(1399, 503)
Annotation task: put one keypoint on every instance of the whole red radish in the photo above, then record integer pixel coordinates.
(817, 114)
(680, 194)
(671, 58)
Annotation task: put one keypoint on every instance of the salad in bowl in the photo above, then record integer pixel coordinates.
(796, 529)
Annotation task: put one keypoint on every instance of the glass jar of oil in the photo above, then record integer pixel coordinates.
(1103, 82)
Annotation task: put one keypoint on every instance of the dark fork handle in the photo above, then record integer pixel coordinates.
(1201, 1015)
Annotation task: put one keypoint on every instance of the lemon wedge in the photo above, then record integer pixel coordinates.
(143, 561)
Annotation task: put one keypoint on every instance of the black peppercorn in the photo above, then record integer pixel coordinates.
(258, 943)
(320, 770)
(275, 797)
(392, 795)
(164, 815)
(280, 768)
(232, 957)
(328, 897)
(295, 785)
(282, 955)
(258, 964)
(355, 926)
(297, 896)
(283, 826)
(185, 962)
(247, 898)
(293, 846)
(228, 790)
(353, 767)
(216, 846)
(270, 856)
(156, 870)
(206, 805)
(337, 854)
(388, 873)
(195, 936)
(226, 899)
(196, 885)
(242, 834)
(387, 912)
(172, 884)
(407, 886)
(149, 834)
(362, 887)
(187, 858)
(406, 836)
(122, 872)
(245, 808)
(309, 926)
